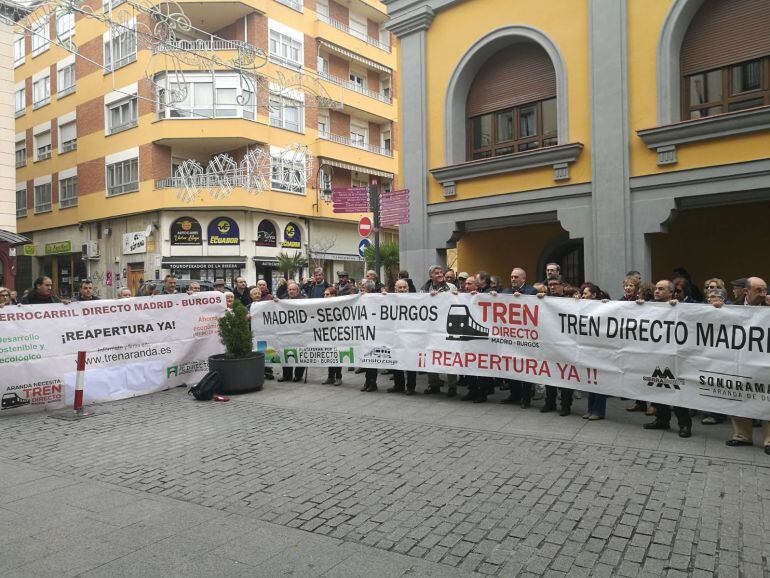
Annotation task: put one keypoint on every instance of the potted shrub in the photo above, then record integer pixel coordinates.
(240, 368)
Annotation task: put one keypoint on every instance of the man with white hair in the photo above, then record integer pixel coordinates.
(756, 292)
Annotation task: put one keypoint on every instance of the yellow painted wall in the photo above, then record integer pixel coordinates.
(450, 36)
(496, 253)
(714, 242)
(645, 24)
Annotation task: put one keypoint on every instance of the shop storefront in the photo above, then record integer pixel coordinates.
(65, 267)
(205, 258)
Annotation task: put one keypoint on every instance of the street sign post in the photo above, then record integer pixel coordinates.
(364, 226)
(362, 245)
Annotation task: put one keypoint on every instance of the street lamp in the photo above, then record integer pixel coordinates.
(323, 184)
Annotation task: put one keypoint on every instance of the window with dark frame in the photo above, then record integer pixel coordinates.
(512, 130)
(727, 89)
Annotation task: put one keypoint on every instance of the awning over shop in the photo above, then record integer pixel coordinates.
(336, 256)
(352, 167)
(13, 239)
(203, 263)
(354, 56)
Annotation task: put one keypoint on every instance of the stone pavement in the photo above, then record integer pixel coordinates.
(311, 480)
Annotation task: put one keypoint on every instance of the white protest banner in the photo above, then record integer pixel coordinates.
(134, 346)
(688, 355)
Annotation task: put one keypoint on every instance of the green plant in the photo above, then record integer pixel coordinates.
(235, 332)
(388, 256)
(288, 264)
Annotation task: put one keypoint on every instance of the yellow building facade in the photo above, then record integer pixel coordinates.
(199, 139)
(604, 135)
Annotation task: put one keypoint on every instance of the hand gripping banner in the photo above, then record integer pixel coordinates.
(134, 346)
(688, 355)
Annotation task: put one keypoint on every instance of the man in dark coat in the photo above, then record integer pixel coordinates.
(41, 293)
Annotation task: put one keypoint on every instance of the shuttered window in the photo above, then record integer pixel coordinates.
(515, 75)
(511, 104)
(725, 58)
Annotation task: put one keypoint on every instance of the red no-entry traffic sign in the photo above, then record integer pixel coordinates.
(364, 226)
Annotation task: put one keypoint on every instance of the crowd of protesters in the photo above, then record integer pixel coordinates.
(748, 291)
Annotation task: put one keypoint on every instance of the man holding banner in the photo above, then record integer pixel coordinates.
(756, 291)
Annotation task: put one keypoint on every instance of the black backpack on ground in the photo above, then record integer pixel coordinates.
(207, 387)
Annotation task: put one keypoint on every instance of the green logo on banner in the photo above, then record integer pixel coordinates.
(347, 354)
(289, 354)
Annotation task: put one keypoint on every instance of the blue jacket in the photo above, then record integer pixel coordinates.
(524, 290)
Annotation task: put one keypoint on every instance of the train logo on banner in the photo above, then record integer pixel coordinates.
(461, 325)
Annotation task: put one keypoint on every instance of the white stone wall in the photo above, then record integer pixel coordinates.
(7, 132)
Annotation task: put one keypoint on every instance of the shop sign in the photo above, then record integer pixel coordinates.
(29, 250)
(292, 237)
(224, 231)
(134, 243)
(60, 247)
(186, 231)
(266, 235)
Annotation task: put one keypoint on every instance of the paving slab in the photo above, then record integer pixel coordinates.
(310, 480)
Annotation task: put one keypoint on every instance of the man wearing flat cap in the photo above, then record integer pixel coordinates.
(344, 285)
(739, 291)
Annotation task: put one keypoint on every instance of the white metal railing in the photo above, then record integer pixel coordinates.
(41, 102)
(355, 87)
(202, 181)
(69, 145)
(120, 62)
(21, 212)
(121, 127)
(323, 16)
(43, 208)
(68, 202)
(294, 4)
(66, 90)
(359, 145)
(44, 156)
(203, 44)
(124, 188)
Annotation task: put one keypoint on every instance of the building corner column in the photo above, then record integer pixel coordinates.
(611, 248)
(410, 27)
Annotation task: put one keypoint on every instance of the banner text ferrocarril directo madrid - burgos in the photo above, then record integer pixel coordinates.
(133, 346)
(688, 355)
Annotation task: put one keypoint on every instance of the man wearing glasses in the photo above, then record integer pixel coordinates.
(552, 271)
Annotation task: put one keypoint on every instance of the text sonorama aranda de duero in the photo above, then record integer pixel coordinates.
(692, 355)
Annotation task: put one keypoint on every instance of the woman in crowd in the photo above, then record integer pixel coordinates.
(597, 402)
(630, 288)
(370, 374)
(335, 373)
(5, 297)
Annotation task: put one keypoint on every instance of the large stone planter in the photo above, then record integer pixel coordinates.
(239, 375)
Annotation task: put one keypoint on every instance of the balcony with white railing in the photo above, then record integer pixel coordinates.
(323, 16)
(355, 143)
(210, 44)
(354, 86)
